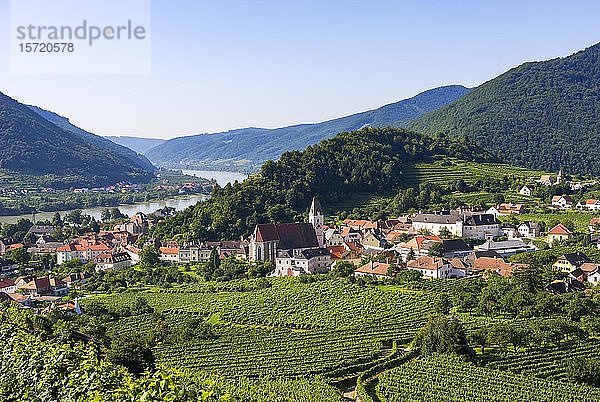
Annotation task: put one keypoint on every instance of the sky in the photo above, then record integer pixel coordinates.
(221, 65)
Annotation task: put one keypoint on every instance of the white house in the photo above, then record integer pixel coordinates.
(529, 229)
(562, 201)
(435, 267)
(526, 191)
(295, 262)
(465, 224)
(114, 261)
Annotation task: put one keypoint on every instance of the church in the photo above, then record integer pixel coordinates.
(294, 248)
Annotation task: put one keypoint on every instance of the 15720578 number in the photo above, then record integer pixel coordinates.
(43, 47)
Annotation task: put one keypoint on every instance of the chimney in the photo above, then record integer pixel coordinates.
(372, 265)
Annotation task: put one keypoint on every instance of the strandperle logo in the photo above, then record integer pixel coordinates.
(80, 36)
(86, 32)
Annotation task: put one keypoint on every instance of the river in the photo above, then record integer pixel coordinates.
(179, 203)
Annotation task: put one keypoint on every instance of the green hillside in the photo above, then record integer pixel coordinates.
(370, 162)
(34, 150)
(543, 115)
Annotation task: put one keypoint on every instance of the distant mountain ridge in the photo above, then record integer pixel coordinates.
(138, 144)
(253, 146)
(64, 123)
(543, 115)
(35, 148)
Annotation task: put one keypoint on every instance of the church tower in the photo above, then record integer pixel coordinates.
(315, 218)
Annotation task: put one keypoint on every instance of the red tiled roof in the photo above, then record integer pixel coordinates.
(337, 252)
(560, 229)
(374, 268)
(169, 250)
(426, 262)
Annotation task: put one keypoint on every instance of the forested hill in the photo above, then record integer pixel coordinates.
(368, 161)
(251, 147)
(543, 115)
(124, 151)
(34, 147)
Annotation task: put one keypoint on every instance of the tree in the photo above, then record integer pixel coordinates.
(411, 255)
(444, 234)
(211, 266)
(343, 269)
(443, 304)
(441, 334)
(149, 257)
(436, 250)
(19, 255)
(133, 353)
(479, 337)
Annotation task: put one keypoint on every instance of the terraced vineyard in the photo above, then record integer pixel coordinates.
(448, 378)
(291, 328)
(448, 171)
(549, 363)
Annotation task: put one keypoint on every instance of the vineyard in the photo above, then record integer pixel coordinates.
(448, 171)
(548, 362)
(290, 328)
(448, 378)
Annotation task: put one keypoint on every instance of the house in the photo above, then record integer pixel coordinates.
(505, 209)
(527, 191)
(361, 225)
(510, 231)
(77, 278)
(529, 229)
(416, 247)
(333, 237)
(495, 264)
(374, 240)
(456, 248)
(435, 267)
(338, 252)
(570, 262)
(481, 226)
(350, 234)
(84, 251)
(559, 233)
(562, 201)
(395, 236)
(169, 254)
(590, 205)
(507, 248)
(594, 277)
(594, 225)
(111, 261)
(439, 222)
(549, 180)
(376, 269)
(39, 230)
(302, 262)
(44, 286)
(8, 286)
(559, 287)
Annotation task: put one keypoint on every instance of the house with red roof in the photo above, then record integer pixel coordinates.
(376, 269)
(437, 267)
(559, 233)
(84, 251)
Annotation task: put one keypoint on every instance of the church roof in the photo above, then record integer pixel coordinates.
(289, 235)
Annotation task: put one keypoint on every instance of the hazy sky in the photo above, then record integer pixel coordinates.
(219, 65)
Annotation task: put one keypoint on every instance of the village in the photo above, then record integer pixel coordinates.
(459, 243)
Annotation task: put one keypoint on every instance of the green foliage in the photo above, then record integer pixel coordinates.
(32, 145)
(542, 115)
(441, 334)
(370, 161)
(448, 378)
